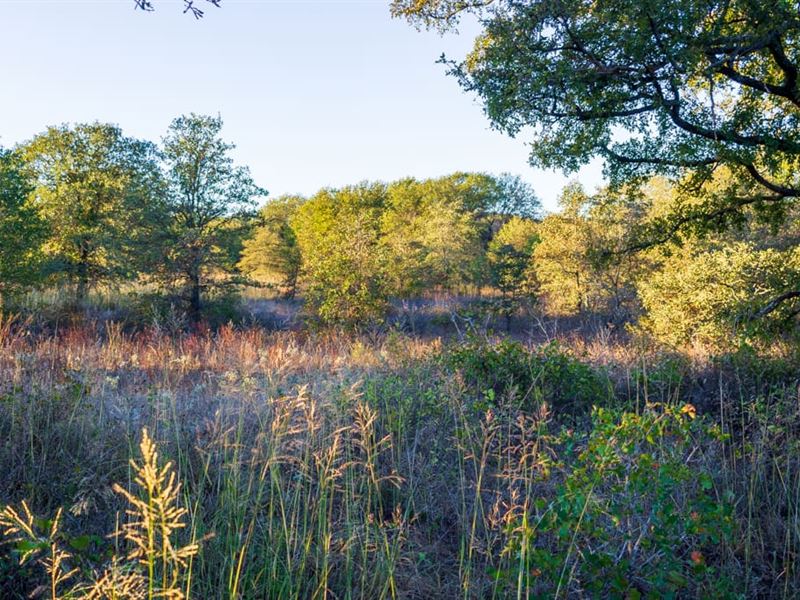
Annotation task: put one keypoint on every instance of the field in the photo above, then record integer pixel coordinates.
(572, 462)
(372, 336)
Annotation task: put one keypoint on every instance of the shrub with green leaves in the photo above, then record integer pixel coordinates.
(343, 264)
(509, 371)
(636, 513)
(724, 296)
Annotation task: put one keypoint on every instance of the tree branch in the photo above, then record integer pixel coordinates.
(663, 162)
(775, 303)
(188, 6)
(667, 231)
(771, 186)
(790, 93)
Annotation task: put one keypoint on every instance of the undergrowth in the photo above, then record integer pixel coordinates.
(239, 463)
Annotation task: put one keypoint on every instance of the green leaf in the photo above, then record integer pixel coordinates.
(81, 542)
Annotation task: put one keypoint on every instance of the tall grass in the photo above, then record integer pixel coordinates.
(277, 465)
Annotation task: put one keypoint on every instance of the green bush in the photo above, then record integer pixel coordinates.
(343, 265)
(663, 380)
(717, 298)
(548, 374)
(636, 513)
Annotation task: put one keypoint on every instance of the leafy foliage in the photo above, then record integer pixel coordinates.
(633, 517)
(720, 296)
(98, 192)
(549, 374)
(360, 244)
(208, 202)
(344, 265)
(431, 231)
(271, 255)
(652, 86)
(21, 229)
(581, 262)
(511, 269)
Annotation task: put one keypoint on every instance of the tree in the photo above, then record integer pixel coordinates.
(561, 258)
(21, 230)
(431, 231)
(579, 261)
(653, 86)
(189, 6)
(98, 191)
(343, 261)
(208, 199)
(718, 296)
(272, 255)
(504, 197)
(515, 198)
(510, 263)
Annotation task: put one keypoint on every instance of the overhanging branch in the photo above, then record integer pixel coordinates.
(775, 303)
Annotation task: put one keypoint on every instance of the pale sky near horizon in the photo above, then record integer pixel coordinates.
(314, 93)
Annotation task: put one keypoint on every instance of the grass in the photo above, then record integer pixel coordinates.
(242, 463)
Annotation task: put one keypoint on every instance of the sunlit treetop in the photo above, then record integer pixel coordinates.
(667, 87)
(189, 6)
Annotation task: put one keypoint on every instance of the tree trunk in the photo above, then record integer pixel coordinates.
(291, 285)
(195, 304)
(507, 306)
(83, 273)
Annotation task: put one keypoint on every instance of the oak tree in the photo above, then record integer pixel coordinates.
(208, 199)
(652, 86)
(99, 191)
(21, 229)
(343, 261)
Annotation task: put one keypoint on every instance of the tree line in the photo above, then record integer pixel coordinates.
(704, 93)
(353, 249)
(86, 206)
(350, 251)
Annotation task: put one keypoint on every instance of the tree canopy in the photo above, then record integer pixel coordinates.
(21, 229)
(96, 188)
(271, 256)
(343, 262)
(207, 197)
(653, 86)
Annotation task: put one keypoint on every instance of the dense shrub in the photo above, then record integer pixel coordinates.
(549, 373)
(636, 512)
(717, 298)
(343, 266)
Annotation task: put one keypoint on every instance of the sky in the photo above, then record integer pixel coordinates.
(314, 93)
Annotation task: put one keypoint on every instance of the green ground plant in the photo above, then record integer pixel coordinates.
(550, 373)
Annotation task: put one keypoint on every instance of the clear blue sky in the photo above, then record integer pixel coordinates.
(313, 93)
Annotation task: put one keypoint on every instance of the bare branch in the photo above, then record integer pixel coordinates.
(188, 6)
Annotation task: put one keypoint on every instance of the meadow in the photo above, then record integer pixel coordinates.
(255, 461)
(415, 386)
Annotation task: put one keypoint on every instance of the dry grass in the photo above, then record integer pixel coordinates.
(334, 466)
